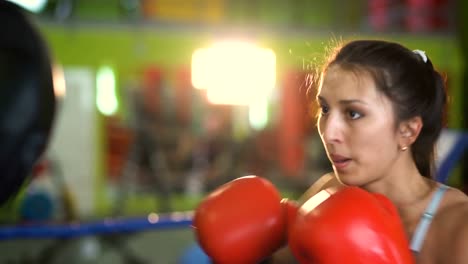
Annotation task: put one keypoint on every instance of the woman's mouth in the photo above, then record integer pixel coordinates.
(339, 162)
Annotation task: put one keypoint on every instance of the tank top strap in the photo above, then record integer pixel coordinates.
(426, 219)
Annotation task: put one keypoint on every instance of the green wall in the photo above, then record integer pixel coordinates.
(129, 48)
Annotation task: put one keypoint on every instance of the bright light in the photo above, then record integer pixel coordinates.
(31, 5)
(234, 73)
(258, 114)
(106, 99)
(153, 218)
(58, 79)
(200, 65)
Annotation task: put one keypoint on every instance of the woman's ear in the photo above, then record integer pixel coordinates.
(409, 131)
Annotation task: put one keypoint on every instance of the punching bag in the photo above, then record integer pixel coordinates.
(292, 123)
(27, 100)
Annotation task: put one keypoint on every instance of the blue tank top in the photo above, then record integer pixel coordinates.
(426, 219)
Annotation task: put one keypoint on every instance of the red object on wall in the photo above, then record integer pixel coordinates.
(183, 96)
(426, 15)
(293, 123)
(119, 139)
(152, 89)
(379, 14)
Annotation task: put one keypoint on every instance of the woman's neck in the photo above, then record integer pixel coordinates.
(404, 186)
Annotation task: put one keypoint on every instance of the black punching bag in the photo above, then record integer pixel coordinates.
(27, 100)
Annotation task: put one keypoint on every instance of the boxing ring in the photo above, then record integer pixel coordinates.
(451, 147)
(107, 226)
(111, 232)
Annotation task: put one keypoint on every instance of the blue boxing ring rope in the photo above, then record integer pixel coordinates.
(451, 146)
(106, 226)
(112, 232)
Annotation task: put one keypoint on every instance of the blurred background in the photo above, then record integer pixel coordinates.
(161, 101)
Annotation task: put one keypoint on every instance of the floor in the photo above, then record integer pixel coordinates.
(151, 247)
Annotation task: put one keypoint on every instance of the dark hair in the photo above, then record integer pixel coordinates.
(412, 84)
(27, 99)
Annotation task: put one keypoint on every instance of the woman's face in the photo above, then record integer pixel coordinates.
(357, 127)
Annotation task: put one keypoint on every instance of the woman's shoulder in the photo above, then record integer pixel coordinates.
(455, 204)
(454, 209)
(452, 225)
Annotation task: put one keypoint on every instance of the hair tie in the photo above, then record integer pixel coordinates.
(422, 54)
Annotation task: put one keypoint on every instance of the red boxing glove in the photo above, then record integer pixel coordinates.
(290, 208)
(349, 225)
(242, 221)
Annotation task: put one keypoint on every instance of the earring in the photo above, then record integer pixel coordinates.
(404, 148)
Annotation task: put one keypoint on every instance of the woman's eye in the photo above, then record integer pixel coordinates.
(324, 109)
(354, 115)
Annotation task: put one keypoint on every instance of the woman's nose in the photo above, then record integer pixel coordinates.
(330, 129)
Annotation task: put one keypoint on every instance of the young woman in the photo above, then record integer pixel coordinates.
(381, 112)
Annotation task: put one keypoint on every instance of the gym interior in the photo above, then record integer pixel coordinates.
(160, 102)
